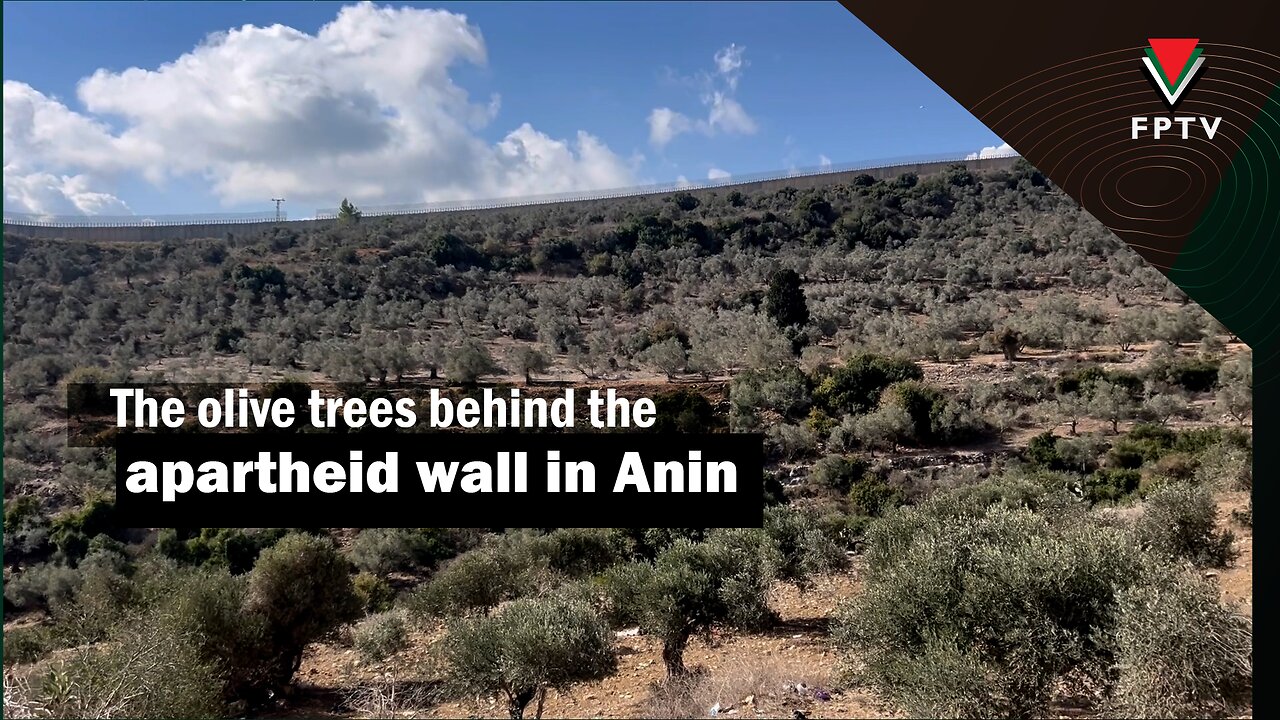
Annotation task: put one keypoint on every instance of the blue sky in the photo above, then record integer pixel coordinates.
(396, 103)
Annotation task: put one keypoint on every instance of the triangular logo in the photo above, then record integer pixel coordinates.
(1173, 64)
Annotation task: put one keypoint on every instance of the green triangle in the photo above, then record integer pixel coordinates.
(1171, 85)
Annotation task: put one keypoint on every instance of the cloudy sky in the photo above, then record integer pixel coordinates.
(119, 108)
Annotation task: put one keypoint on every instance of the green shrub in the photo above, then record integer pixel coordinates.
(532, 645)
(1176, 465)
(1111, 485)
(209, 606)
(684, 411)
(838, 473)
(803, 551)
(41, 587)
(27, 644)
(1145, 443)
(1225, 466)
(476, 580)
(381, 635)
(301, 587)
(1179, 520)
(72, 531)
(844, 529)
(980, 613)
(1179, 651)
(647, 543)
(1197, 440)
(385, 550)
(692, 587)
(233, 548)
(622, 587)
(104, 596)
(1042, 451)
(871, 495)
(376, 594)
(1191, 374)
(856, 386)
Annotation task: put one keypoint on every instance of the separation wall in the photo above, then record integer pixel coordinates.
(196, 231)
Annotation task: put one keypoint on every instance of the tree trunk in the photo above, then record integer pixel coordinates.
(673, 658)
(434, 372)
(542, 698)
(517, 702)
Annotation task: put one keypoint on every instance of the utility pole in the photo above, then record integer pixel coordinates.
(277, 201)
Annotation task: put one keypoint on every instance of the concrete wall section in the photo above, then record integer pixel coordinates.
(156, 233)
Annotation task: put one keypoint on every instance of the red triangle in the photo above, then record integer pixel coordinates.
(1173, 54)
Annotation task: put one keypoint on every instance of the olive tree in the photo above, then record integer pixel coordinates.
(531, 645)
(693, 587)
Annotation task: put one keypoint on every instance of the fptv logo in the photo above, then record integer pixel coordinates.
(1173, 65)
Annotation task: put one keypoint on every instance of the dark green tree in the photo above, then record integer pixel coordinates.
(347, 213)
(785, 301)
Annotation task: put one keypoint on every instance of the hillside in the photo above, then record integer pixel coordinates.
(1005, 460)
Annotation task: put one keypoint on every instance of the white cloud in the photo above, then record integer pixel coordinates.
(682, 181)
(728, 115)
(665, 124)
(365, 108)
(729, 64)
(717, 174)
(724, 113)
(1001, 150)
(47, 194)
(824, 161)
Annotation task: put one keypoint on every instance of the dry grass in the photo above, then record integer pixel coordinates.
(747, 685)
(392, 698)
(19, 700)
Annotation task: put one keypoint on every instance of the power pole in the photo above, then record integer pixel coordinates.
(277, 201)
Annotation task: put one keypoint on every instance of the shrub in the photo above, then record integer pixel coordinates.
(1042, 451)
(151, 669)
(476, 580)
(1110, 485)
(27, 644)
(684, 411)
(1178, 466)
(622, 587)
(301, 587)
(1191, 374)
(381, 635)
(692, 587)
(580, 552)
(802, 549)
(1225, 466)
(981, 612)
(209, 606)
(376, 594)
(233, 548)
(41, 587)
(385, 550)
(872, 495)
(72, 531)
(1179, 520)
(856, 386)
(532, 645)
(1179, 651)
(1197, 440)
(838, 473)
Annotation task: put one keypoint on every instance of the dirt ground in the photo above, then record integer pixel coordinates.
(774, 674)
(747, 675)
